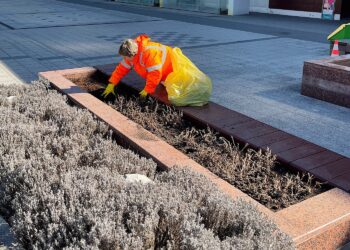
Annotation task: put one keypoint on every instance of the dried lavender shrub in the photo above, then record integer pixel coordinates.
(254, 172)
(62, 187)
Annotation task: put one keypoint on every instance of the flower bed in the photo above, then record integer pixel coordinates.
(62, 185)
(255, 173)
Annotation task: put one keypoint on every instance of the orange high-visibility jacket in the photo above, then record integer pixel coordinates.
(152, 62)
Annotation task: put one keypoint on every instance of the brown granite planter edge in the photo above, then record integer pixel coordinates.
(307, 227)
(327, 80)
(327, 71)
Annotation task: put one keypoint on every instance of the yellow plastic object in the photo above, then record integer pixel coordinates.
(143, 94)
(187, 85)
(109, 89)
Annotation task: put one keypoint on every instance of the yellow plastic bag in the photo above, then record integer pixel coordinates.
(187, 85)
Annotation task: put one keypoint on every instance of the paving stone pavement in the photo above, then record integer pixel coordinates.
(66, 18)
(7, 76)
(346, 247)
(6, 237)
(255, 73)
(104, 41)
(262, 80)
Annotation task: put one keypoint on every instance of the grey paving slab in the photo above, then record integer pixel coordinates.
(51, 6)
(3, 27)
(7, 74)
(39, 20)
(6, 237)
(52, 47)
(283, 26)
(82, 42)
(48, 13)
(100, 61)
(253, 72)
(280, 22)
(13, 44)
(262, 80)
(26, 69)
(142, 8)
(19, 6)
(10, 49)
(345, 247)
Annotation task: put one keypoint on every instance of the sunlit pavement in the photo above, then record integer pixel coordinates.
(255, 61)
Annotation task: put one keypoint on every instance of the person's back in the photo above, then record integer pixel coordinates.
(152, 62)
(184, 82)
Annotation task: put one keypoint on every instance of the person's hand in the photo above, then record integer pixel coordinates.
(109, 89)
(143, 94)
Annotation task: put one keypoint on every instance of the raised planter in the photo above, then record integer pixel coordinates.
(328, 80)
(321, 222)
(292, 151)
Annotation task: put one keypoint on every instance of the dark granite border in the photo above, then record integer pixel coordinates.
(327, 80)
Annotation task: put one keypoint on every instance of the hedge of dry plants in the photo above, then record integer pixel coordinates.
(62, 186)
(256, 173)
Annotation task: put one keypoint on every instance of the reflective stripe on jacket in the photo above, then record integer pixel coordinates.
(152, 62)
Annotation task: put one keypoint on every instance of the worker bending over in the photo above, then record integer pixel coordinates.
(154, 62)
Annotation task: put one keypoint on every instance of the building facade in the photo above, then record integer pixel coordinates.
(303, 8)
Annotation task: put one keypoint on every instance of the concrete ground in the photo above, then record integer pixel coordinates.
(255, 61)
(6, 237)
(346, 247)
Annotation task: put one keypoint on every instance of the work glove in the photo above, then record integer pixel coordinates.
(109, 89)
(143, 94)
